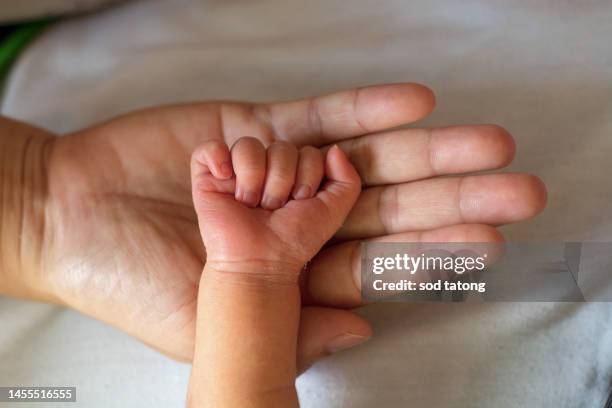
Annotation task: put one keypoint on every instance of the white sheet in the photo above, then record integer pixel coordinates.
(541, 69)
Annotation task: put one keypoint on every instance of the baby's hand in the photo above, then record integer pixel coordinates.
(295, 218)
(249, 298)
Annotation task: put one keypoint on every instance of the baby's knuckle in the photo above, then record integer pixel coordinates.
(248, 142)
(250, 167)
(281, 177)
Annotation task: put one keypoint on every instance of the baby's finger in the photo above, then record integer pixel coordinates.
(211, 168)
(342, 187)
(309, 173)
(212, 156)
(282, 163)
(249, 160)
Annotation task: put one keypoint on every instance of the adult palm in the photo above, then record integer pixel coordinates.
(121, 241)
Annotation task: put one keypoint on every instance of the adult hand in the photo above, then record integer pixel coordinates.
(120, 240)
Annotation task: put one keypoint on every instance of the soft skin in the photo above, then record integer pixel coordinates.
(102, 220)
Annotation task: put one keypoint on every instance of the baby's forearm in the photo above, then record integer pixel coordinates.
(247, 325)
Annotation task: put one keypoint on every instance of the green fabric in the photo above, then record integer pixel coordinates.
(15, 41)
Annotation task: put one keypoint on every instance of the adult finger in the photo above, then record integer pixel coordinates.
(404, 155)
(341, 263)
(341, 115)
(493, 199)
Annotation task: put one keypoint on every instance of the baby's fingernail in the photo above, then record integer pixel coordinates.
(303, 191)
(271, 203)
(249, 198)
(345, 341)
(225, 170)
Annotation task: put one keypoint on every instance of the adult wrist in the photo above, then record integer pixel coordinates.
(24, 154)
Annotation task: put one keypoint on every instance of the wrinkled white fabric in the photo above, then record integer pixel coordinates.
(541, 69)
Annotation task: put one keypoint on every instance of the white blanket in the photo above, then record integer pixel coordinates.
(542, 69)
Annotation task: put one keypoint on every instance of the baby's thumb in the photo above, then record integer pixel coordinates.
(342, 187)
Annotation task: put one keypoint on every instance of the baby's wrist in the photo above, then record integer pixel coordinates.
(23, 183)
(247, 326)
(255, 272)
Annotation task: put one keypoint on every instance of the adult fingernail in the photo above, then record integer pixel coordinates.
(345, 341)
(271, 203)
(303, 191)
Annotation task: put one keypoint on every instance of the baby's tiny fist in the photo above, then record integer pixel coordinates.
(243, 199)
